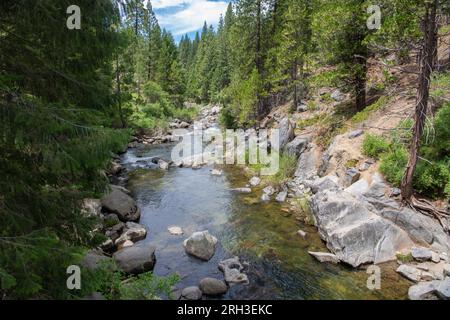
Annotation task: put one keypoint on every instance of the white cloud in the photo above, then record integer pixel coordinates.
(161, 4)
(191, 15)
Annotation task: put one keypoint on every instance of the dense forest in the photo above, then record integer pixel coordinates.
(71, 98)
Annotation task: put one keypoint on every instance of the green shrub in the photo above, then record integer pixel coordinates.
(374, 146)
(364, 114)
(393, 164)
(432, 178)
(287, 167)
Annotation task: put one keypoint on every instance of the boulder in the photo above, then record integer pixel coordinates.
(354, 233)
(121, 204)
(115, 168)
(421, 254)
(286, 132)
(201, 245)
(321, 184)
(443, 289)
(358, 188)
(213, 287)
(133, 232)
(308, 163)
(136, 259)
(409, 272)
(255, 181)
(296, 146)
(325, 257)
(191, 293)
(232, 270)
(184, 125)
(423, 291)
(216, 172)
(446, 270)
(93, 259)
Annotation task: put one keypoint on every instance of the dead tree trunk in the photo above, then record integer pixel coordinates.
(423, 93)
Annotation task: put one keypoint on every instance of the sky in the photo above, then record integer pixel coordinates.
(182, 17)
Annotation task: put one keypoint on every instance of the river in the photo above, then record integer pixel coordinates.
(264, 235)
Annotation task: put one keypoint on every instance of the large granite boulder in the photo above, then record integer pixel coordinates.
(136, 259)
(308, 163)
(354, 233)
(296, 146)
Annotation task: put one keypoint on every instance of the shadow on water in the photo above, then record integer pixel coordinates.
(260, 234)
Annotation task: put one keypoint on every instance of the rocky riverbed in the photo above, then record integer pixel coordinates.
(231, 235)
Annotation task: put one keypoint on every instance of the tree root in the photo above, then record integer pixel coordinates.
(427, 208)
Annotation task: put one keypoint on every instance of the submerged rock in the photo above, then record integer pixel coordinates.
(213, 287)
(325, 257)
(201, 245)
(231, 269)
(176, 231)
(281, 197)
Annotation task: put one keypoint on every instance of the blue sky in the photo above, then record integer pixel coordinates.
(187, 16)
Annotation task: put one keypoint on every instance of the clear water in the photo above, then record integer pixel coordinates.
(263, 235)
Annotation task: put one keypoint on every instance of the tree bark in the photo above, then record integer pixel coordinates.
(119, 98)
(423, 93)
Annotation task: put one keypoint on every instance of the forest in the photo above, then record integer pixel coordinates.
(71, 99)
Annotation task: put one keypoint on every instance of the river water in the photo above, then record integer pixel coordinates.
(264, 235)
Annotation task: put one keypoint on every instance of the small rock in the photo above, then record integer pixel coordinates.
(395, 192)
(409, 272)
(191, 293)
(255, 181)
(421, 254)
(108, 245)
(176, 231)
(201, 245)
(337, 95)
(423, 291)
(265, 197)
(184, 125)
(301, 233)
(355, 134)
(443, 289)
(242, 190)
(163, 164)
(302, 108)
(216, 172)
(232, 271)
(435, 257)
(269, 190)
(325, 257)
(446, 270)
(281, 197)
(365, 166)
(213, 287)
(351, 176)
(133, 232)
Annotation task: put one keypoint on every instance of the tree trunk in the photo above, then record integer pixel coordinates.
(119, 98)
(426, 65)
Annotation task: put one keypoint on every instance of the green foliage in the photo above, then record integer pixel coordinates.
(365, 114)
(288, 165)
(393, 164)
(433, 178)
(374, 146)
(116, 285)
